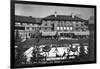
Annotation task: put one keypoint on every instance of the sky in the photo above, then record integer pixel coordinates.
(40, 11)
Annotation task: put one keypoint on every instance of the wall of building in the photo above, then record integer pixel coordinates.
(50, 25)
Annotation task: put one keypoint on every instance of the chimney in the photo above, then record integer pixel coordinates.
(55, 14)
(73, 15)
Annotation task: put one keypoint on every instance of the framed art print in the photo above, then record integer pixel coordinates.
(50, 34)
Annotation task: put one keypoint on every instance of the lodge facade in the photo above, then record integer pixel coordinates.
(65, 24)
(25, 27)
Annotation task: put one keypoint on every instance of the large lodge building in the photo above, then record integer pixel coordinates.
(62, 25)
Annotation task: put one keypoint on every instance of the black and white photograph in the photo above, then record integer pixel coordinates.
(53, 34)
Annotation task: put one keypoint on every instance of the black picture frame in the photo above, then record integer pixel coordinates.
(12, 27)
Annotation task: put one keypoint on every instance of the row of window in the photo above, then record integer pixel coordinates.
(58, 28)
(18, 23)
(30, 28)
(65, 28)
(46, 24)
(78, 25)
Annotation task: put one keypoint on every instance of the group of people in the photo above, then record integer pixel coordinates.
(42, 53)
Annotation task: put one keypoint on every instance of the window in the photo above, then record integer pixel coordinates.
(30, 24)
(61, 28)
(70, 28)
(36, 25)
(67, 22)
(46, 24)
(77, 24)
(67, 28)
(58, 24)
(17, 23)
(27, 28)
(30, 28)
(48, 21)
(33, 28)
(58, 28)
(45, 29)
(82, 24)
(61, 24)
(64, 28)
(24, 24)
(39, 28)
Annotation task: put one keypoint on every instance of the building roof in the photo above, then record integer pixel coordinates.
(63, 17)
(27, 19)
